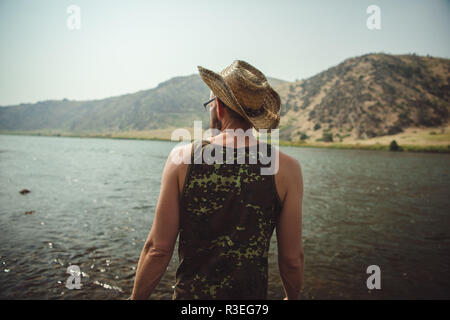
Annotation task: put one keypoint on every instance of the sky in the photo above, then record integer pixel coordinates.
(130, 45)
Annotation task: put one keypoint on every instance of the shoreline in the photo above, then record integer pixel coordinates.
(327, 145)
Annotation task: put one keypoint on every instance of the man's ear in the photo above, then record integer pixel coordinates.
(220, 108)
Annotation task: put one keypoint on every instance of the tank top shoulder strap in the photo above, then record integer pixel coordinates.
(196, 144)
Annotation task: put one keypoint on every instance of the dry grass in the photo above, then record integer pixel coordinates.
(412, 139)
(411, 136)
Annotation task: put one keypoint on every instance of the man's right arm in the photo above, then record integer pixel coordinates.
(289, 228)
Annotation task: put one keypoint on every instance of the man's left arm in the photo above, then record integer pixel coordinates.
(158, 248)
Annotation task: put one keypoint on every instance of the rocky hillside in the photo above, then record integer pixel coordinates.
(368, 96)
(176, 102)
(363, 97)
(173, 103)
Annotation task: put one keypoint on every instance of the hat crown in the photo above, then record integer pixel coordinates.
(246, 90)
(247, 84)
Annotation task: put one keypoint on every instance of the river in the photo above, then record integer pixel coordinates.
(93, 202)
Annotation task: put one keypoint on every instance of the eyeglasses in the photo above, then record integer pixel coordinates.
(208, 102)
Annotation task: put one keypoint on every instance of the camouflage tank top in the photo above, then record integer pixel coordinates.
(228, 213)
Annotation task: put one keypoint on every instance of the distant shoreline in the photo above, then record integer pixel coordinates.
(327, 145)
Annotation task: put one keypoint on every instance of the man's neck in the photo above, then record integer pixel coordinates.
(234, 125)
(236, 137)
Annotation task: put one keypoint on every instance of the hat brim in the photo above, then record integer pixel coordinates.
(267, 119)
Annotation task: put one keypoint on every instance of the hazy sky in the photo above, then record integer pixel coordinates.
(127, 46)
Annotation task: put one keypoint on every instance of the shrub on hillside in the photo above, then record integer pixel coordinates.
(327, 137)
(303, 136)
(394, 146)
(394, 129)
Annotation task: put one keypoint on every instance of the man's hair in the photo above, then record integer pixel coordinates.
(233, 114)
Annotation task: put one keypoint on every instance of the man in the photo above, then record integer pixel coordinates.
(225, 213)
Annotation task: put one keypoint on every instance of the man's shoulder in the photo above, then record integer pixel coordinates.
(289, 174)
(288, 163)
(180, 155)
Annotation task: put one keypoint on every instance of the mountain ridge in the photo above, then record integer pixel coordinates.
(368, 96)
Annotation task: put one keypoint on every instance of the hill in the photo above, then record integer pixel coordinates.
(361, 99)
(173, 103)
(369, 96)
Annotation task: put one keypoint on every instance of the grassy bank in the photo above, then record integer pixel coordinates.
(164, 134)
(85, 135)
(376, 146)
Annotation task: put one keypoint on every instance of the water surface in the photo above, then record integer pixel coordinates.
(93, 203)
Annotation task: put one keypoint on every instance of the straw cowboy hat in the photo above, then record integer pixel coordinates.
(246, 90)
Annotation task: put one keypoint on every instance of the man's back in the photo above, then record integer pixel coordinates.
(227, 216)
